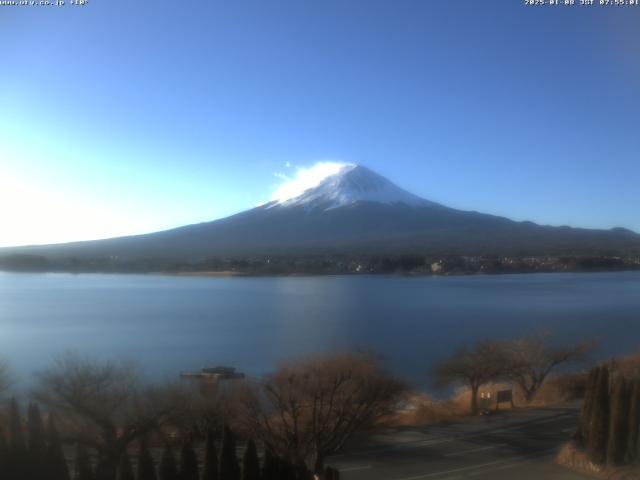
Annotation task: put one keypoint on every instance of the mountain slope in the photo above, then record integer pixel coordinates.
(353, 211)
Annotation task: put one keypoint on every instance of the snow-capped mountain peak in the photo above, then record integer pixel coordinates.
(352, 184)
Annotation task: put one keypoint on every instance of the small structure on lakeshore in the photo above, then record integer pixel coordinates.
(504, 396)
(214, 374)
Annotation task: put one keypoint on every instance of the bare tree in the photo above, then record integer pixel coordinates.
(530, 360)
(476, 366)
(309, 409)
(198, 411)
(102, 405)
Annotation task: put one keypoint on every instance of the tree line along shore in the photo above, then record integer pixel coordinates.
(329, 264)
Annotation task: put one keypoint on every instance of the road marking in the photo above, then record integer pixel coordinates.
(501, 467)
(455, 470)
(480, 449)
(353, 469)
(400, 446)
(511, 465)
(458, 436)
(514, 460)
(435, 441)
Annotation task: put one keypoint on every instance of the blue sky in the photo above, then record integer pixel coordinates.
(125, 117)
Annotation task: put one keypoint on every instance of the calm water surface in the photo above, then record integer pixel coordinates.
(180, 323)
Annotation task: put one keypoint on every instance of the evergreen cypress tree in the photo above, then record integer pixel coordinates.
(328, 473)
(168, 469)
(16, 435)
(19, 465)
(280, 469)
(211, 469)
(250, 462)
(269, 467)
(619, 423)
(83, 469)
(104, 469)
(599, 432)
(286, 470)
(146, 467)
(4, 454)
(586, 412)
(125, 471)
(188, 463)
(56, 462)
(229, 468)
(36, 444)
(634, 423)
(301, 472)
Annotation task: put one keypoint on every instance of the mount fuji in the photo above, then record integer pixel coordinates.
(355, 211)
(353, 184)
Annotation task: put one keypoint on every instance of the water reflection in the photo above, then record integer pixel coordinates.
(181, 323)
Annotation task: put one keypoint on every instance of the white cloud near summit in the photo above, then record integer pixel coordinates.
(304, 178)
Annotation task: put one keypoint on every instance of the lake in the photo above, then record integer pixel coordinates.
(171, 323)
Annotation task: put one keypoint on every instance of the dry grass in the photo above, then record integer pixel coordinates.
(422, 409)
(628, 365)
(576, 459)
(559, 389)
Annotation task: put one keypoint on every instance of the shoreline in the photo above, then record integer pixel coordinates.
(240, 274)
(221, 273)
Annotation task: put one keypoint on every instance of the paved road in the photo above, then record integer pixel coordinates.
(506, 446)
